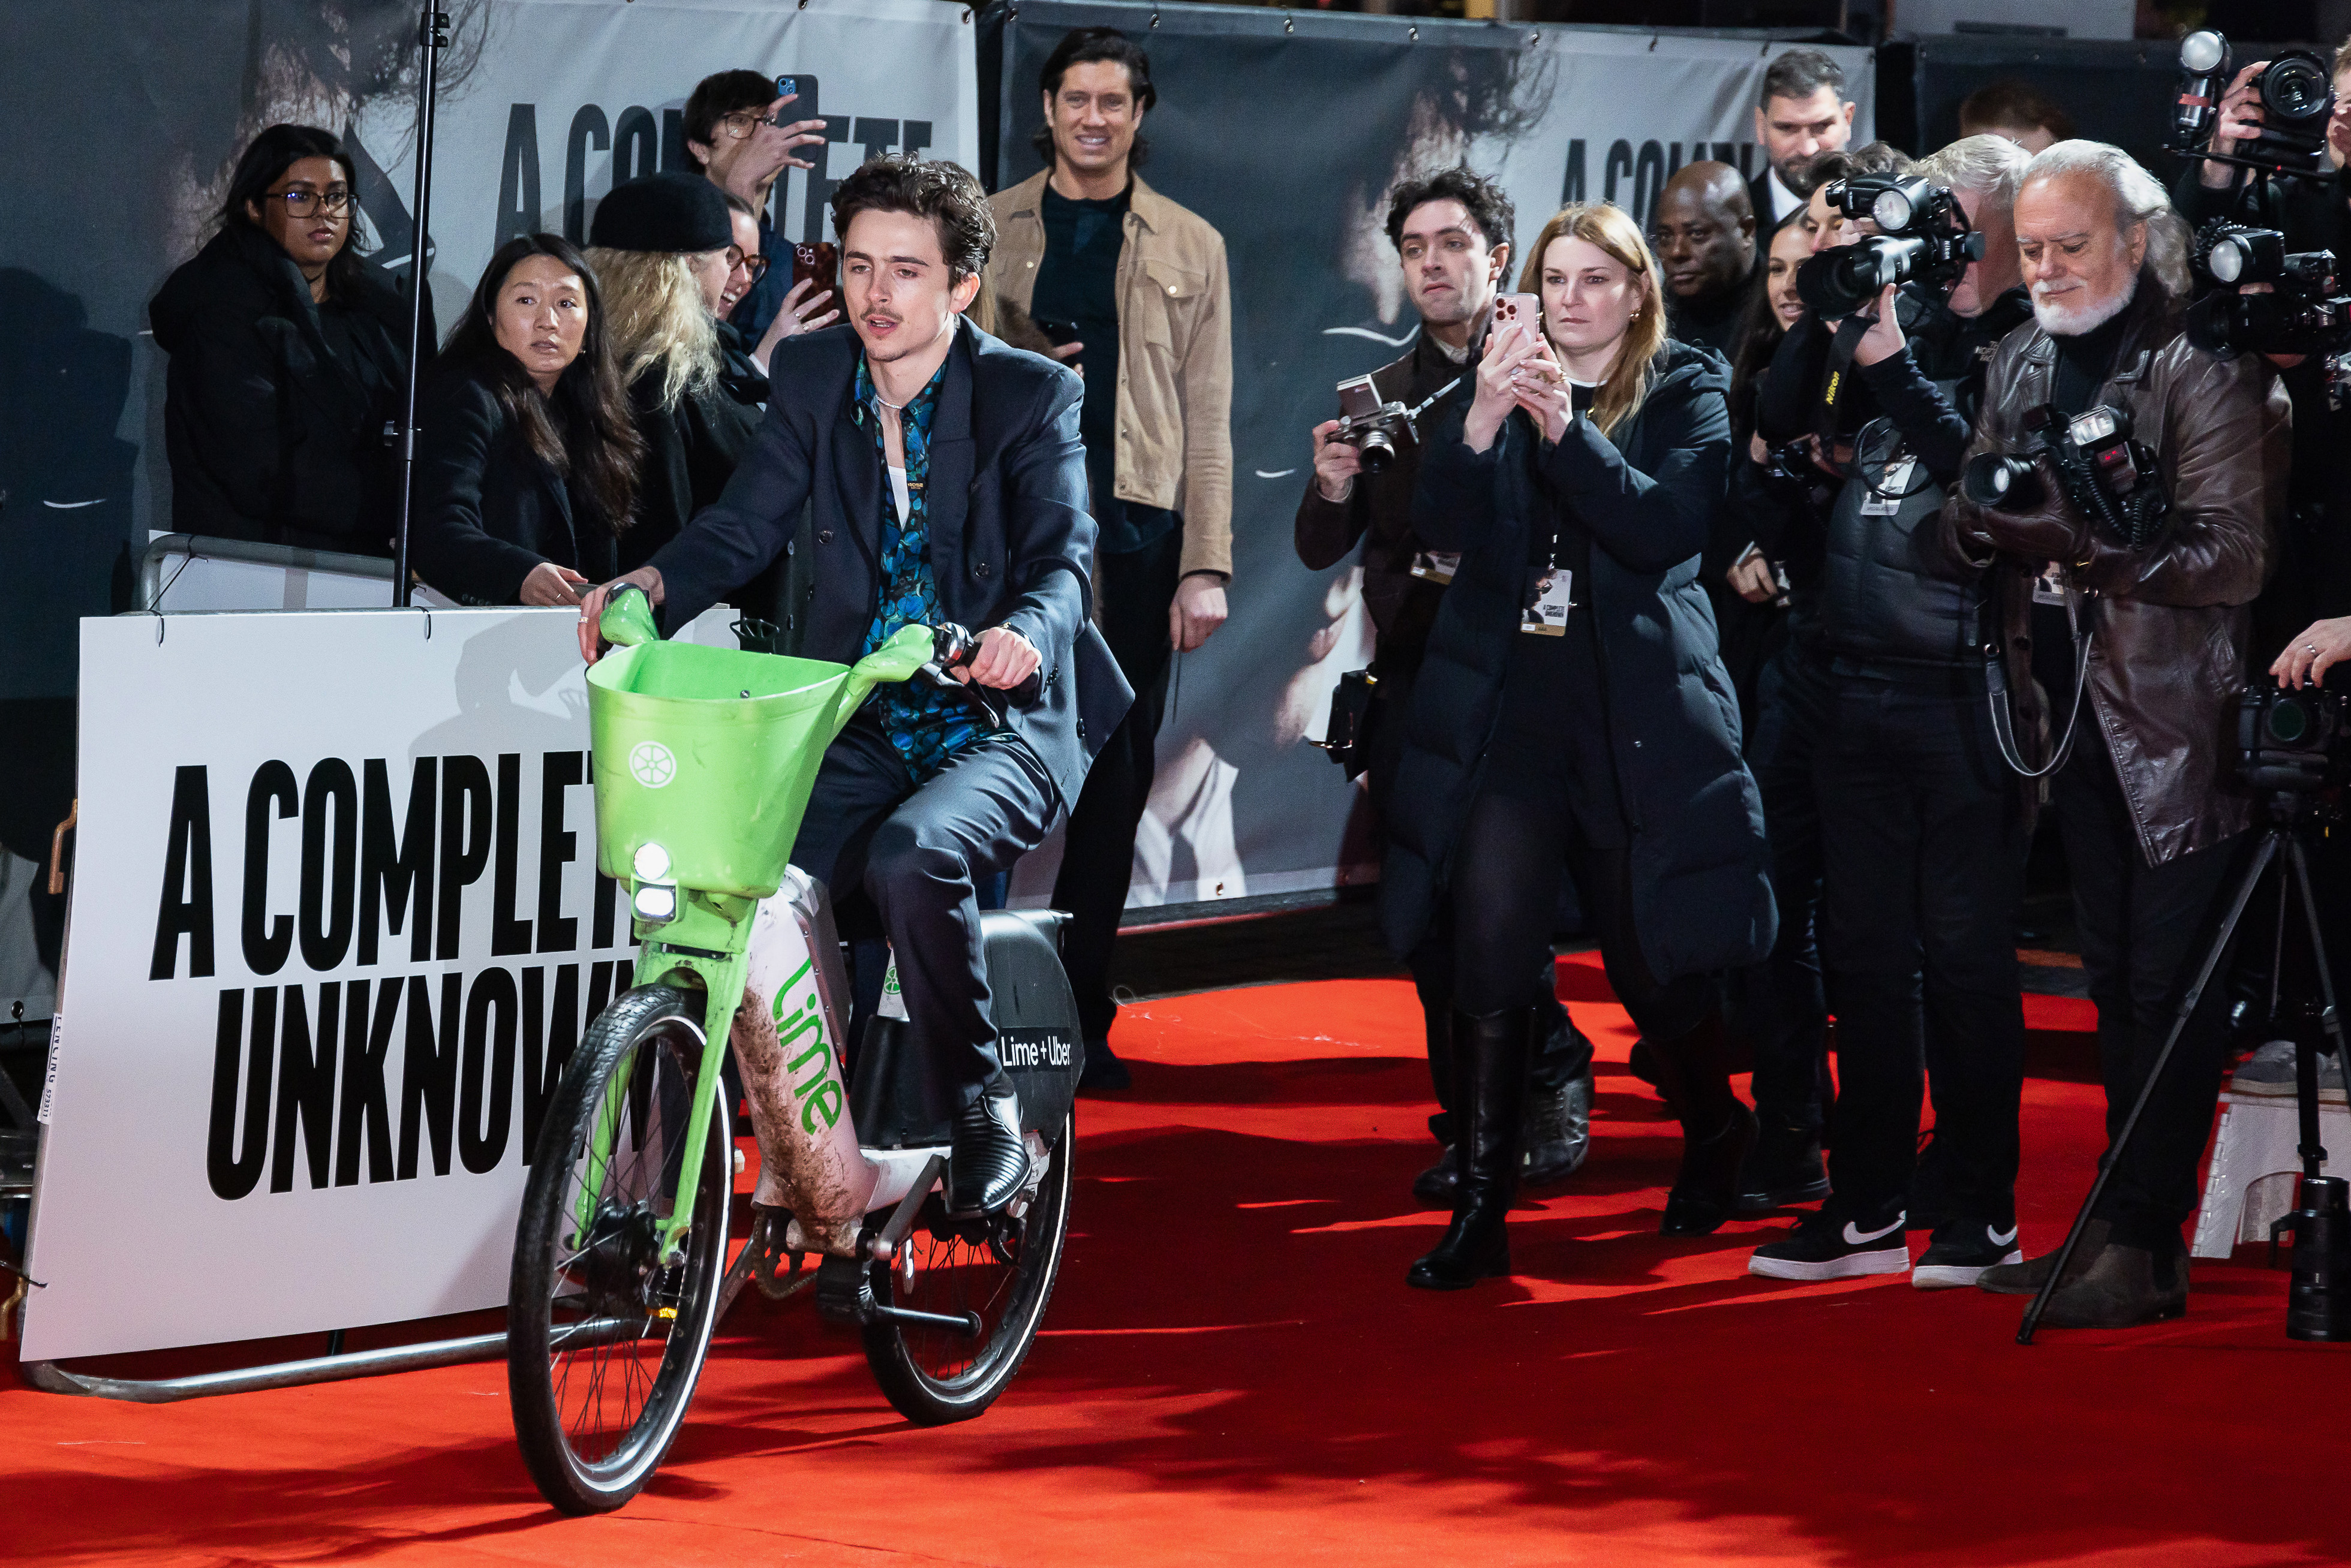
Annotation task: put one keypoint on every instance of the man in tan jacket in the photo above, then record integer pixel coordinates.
(1132, 289)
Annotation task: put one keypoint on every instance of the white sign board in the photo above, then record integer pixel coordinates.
(564, 98)
(335, 926)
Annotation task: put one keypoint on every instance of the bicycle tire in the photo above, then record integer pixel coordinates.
(918, 1366)
(558, 1290)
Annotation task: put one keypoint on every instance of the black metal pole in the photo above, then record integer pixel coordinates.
(2272, 841)
(433, 37)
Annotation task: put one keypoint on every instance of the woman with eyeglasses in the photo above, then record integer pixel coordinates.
(288, 352)
(527, 455)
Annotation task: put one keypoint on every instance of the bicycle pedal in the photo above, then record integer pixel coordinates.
(844, 1292)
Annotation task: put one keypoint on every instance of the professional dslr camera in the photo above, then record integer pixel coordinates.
(1373, 427)
(1923, 237)
(2303, 312)
(2293, 739)
(2297, 93)
(2107, 477)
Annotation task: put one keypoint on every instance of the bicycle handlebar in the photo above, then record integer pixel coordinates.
(628, 618)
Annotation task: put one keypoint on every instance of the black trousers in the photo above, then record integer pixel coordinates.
(1520, 839)
(2144, 931)
(916, 850)
(1923, 848)
(1133, 589)
(1561, 1051)
(1779, 1004)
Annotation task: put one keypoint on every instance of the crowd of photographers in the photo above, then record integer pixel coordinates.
(1760, 580)
(2005, 522)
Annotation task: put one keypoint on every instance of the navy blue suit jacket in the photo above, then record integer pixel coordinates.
(1011, 541)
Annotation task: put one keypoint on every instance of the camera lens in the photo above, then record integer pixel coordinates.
(2289, 720)
(2295, 88)
(1377, 450)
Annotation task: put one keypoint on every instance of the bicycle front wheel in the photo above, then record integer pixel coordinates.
(606, 1328)
(999, 1268)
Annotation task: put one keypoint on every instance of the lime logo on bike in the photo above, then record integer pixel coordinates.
(652, 765)
(893, 1000)
(821, 1094)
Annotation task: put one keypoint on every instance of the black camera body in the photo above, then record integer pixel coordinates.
(2296, 739)
(2297, 94)
(2303, 311)
(1372, 427)
(1923, 237)
(2105, 476)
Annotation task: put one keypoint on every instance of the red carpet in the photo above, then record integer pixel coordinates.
(1234, 1371)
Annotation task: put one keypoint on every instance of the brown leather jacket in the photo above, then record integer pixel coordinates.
(2172, 622)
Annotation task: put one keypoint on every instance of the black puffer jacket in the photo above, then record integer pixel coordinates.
(273, 434)
(1647, 498)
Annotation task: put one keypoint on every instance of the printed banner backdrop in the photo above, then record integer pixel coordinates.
(328, 959)
(1286, 131)
(542, 100)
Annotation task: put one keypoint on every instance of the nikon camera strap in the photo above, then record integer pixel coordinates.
(1836, 379)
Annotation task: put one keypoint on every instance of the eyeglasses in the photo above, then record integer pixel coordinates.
(742, 122)
(756, 266)
(301, 204)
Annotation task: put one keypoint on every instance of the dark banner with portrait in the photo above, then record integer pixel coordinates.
(1287, 131)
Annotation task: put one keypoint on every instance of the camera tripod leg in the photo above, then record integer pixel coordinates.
(2330, 1021)
(2266, 853)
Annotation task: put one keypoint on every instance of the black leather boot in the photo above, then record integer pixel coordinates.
(1490, 1053)
(1559, 1102)
(1436, 1183)
(1717, 1129)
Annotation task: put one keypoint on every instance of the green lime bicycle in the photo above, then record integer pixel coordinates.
(704, 761)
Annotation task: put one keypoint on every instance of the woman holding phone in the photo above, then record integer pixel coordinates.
(1573, 714)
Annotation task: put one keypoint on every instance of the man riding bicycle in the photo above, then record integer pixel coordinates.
(942, 479)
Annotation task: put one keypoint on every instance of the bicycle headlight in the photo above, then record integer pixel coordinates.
(651, 863)
(655, 902)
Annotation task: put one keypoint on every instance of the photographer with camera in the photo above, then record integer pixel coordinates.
(1922, 829)
(1452, 232)
(2161, 548)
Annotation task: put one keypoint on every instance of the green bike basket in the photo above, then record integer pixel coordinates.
(711, 753)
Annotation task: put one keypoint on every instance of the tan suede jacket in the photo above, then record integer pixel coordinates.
(1175, 356)
(2172, 623)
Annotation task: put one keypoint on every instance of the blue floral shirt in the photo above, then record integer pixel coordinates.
(924, 725)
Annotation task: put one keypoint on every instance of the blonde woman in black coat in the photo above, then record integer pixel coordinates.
(1573, 714)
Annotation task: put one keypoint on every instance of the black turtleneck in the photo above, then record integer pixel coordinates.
(2084, 360)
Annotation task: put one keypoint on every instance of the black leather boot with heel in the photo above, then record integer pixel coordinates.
(1718, 1130)
(1490, 1053)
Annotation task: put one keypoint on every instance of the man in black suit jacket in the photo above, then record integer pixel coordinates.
(946, 482)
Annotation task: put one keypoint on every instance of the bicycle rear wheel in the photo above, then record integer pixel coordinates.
(605, 1338)
(999, 1266)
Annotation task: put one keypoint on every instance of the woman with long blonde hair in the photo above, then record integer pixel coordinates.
(1573, 714)
(662, 247)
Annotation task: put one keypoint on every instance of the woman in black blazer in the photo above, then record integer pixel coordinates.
(1572, 714)
(527, 454)
(288, 350)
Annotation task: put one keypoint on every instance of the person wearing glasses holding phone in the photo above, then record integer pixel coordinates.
(736, 129)
(290, 351)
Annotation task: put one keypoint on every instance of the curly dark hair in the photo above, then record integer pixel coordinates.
(947, 194)
(1084, 46)
(1488, 205)
(586, 430)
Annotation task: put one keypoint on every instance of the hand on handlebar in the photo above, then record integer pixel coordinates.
(592, 608)
(1004, 660)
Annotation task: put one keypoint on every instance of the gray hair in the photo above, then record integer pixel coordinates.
(2139, 198)
(1990, 166)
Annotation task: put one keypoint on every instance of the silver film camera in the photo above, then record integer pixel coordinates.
(1372, 426)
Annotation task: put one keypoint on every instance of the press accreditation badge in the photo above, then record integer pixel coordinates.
(2049, 587)
(1884, 498)
(1436, 566)
(1547, 616)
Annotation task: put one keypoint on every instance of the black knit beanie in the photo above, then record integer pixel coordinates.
(667, 211)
